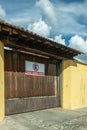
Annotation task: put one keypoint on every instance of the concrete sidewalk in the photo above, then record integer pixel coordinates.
(48, 119)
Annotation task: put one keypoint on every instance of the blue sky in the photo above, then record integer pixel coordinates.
(64, 21)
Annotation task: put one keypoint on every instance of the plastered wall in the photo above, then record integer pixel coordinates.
(1, 81)
(74, 84)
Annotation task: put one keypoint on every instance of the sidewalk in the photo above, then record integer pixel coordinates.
(49, 119)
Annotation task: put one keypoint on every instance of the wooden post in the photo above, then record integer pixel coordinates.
(2, 112)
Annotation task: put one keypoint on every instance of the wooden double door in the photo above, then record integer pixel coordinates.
(31, 83)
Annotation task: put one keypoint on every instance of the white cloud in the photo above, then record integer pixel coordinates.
(20, 20)
(70, 19)
(24, 17)
(82, 58)
(68, 25)
(47, 7)
(59, 39)
(2, 12)
(73, 6)
(78, 43)
(67, 16)
(40, 28)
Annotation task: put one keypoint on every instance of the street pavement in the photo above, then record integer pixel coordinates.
(49, 119)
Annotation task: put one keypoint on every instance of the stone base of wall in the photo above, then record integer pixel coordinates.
(20, 105)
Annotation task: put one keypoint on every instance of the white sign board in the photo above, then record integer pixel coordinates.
(33, 68)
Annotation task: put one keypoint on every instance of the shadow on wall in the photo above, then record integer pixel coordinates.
(68, 63)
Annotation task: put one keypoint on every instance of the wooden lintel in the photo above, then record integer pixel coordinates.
(24, 36)
(5, 29)
(28, 49)
(48, 43)
(14, 32)
(32, 38)
(39, 41)
(62, 48)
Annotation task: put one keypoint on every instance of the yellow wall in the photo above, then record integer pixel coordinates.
(1, 81)
(74, 84)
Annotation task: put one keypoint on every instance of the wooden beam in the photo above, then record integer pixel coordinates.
(23, 48)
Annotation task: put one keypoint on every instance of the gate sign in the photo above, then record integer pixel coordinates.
(34, 68)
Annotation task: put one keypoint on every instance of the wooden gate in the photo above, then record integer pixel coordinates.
(25, 92)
